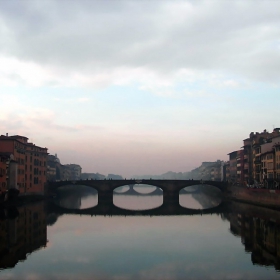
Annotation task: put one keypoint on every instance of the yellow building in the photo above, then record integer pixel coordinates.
(267, 169)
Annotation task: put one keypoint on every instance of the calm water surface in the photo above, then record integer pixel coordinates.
(241, 243)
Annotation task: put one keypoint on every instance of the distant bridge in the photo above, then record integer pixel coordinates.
(105, 188)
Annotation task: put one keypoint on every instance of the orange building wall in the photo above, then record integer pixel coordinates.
(31, 159)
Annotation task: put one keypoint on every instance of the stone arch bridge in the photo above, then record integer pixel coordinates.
(105, 188)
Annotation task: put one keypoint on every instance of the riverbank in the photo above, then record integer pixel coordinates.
(22, 200)
(260, 197)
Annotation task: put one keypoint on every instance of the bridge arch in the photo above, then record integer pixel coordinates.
(105, 188)
(110, 185)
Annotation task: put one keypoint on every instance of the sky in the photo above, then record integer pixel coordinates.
(139, 87)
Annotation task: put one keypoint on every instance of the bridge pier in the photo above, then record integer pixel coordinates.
(171, 199)
(105, 198)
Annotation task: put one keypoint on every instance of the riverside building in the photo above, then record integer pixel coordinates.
(259, 161)
(31, 163)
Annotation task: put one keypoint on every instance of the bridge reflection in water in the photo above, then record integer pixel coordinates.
(112, 210)
(170, 191)
(24, 230)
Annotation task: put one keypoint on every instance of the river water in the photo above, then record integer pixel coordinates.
(241, 242)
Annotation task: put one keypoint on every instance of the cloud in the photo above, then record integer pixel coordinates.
(19, 118)
(93, 44)
(120, 75)
(83, 99)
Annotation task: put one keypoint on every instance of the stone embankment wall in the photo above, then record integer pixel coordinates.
(262, 197)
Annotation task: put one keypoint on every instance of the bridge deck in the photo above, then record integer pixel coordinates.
(110, 185)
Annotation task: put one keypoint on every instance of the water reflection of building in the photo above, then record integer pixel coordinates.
(207, 196)
(22, 235)
(71, 201)
(260, 235)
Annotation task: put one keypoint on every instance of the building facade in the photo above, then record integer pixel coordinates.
(216, 174)
(257, 162)
(57, 171)
(4, 162)
(74, 171)
(276, 148)
(31, 163)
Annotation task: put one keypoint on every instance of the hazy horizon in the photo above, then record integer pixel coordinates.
(139, 87)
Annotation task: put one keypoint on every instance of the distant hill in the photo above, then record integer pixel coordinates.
(202, 172)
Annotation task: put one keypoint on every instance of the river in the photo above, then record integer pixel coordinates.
(241, 242)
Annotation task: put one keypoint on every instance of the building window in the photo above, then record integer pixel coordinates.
(257, 150)
(269, 157)
(270, 175)
(270, 165)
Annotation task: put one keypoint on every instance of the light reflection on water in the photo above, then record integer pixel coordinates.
(141, 247)
(122, 189)
(133, 202)
(200, 197)
(141, 188)
(89, 201)
(76, 197)
(138, 201)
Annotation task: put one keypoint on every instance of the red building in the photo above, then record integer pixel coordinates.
(31, 163)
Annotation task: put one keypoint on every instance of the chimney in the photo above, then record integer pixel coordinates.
(7, 134)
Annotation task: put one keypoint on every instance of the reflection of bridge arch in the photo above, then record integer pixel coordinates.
(163, 210)
(105, 188)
